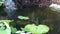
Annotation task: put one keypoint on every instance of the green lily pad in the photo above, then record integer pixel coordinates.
(13, 30)
(23, 18)
(7, 21)
(4, 28)
(40, 29)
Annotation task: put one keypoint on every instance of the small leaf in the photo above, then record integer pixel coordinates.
(23, 18)
(42, 28)
(25, 29)
(26, 18)
(20, 17)
(13, 30)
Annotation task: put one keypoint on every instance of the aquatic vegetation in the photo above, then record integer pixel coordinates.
(22, 32)
(40, 29)
(7, 21)
(13, 30)
(4, 27)
(23, 17)
(1, 2)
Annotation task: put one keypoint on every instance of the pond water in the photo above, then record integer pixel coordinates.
(37, 15)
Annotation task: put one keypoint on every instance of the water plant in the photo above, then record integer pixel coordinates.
(40, 29)
(4, 27)
(13, 30)
(7, 21)
(1, 2)
(23, 17)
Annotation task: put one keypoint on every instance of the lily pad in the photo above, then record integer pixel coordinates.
(23, 17)
(7, 21)
(40, 29)
(4, 27)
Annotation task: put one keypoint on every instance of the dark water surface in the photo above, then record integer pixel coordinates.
(37, 15)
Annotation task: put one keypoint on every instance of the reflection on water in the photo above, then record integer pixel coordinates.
(10, 8)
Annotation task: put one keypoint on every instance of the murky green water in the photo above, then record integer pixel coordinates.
(37, 15)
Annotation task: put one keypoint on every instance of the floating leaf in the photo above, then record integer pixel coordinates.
(4, 28)
(13, 30)
(20, 17)
(26, 18)
(23, 18)
(25, 29)
(7, 21)
(1, 2)
(40, 29)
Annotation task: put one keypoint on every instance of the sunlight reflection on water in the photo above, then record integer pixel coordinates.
(10, 7)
